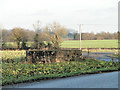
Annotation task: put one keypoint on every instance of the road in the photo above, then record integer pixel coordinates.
(103, 80)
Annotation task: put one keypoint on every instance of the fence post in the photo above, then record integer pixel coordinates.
(26, 55)
(88, 54)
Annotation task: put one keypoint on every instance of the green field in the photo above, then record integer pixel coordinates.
(85, 44)
(90, 44)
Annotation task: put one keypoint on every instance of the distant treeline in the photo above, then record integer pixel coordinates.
(48, 37)
(51, 36)
(92, 36)
(74, 36)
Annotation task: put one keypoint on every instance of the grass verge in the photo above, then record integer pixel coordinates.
(20, 73)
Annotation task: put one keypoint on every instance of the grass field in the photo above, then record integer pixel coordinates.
(85, 44)
(10, 54)
(90, 44)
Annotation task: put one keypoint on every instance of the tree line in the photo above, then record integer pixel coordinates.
(51, 36)
(92, 36)
(48, 37)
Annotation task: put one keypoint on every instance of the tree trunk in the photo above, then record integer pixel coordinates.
(18, 45)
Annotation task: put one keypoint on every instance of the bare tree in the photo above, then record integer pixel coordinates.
(5, 35)
(18, 35)
(39, 36)
(37, 26)
(0, 36)
(54, 33)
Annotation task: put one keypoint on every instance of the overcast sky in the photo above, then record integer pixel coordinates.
(23, 13)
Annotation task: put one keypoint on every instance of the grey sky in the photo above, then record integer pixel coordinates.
(23, 13)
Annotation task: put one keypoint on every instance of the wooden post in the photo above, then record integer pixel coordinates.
(26, 56)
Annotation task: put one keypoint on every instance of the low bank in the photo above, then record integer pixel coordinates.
(19, 73)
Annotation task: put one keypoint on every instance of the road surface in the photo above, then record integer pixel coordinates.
(103, 80)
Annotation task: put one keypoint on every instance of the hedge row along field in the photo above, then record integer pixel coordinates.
(85, 44)
(17, 72)
(20, 55)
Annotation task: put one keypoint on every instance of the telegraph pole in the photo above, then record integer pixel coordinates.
(80, 30)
